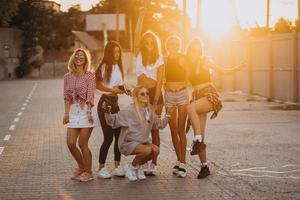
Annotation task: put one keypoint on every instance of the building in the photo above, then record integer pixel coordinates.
(10, 51)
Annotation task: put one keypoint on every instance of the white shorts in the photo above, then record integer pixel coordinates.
(177, 98)
(78, 117)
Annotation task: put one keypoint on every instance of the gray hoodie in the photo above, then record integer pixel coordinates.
(134, 130)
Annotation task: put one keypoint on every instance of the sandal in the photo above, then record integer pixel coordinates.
(77, 172)
(85, 177)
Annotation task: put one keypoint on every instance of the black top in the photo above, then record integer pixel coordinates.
(198, 74)
(174, 71)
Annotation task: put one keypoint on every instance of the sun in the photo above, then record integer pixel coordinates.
(217, 18)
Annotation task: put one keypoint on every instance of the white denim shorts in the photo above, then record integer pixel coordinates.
(176, 98)
(78, 117)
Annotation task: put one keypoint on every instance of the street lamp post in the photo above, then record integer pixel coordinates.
(6, 55)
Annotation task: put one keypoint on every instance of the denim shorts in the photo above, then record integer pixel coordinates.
(176, 98)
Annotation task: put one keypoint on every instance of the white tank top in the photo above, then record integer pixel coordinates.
(150, 70)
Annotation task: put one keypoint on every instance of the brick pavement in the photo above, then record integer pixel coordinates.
(36, 164)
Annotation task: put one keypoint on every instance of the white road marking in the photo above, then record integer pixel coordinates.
(25, 104)
(23, 108)
(12, 127)
(20, 113)
(27, 100)
(1, 150)
(6, 138)
(16, 119)
(264, 176)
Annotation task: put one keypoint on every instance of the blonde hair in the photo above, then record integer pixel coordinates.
(87, 64)
(135, 93)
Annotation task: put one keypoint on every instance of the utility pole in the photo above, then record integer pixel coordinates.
(117, 22)
(268, 16)
(184, 38)
(198, 16)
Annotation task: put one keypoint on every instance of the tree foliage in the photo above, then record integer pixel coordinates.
(8, 9)
(46, 28)
(283, 26)
(159, 14)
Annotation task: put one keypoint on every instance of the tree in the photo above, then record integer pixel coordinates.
(46, 28)
(8, 9)
(159, 13)
(283, 26)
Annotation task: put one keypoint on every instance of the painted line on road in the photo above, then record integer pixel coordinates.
(23, 108)
(20, 113)
(7, 137)
(12, 127)
(25, 104)
(16, 119)
(27, 100)
(1, 150)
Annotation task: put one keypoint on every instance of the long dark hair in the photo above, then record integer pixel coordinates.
(108, 60)
(195, 41)
(150, 57)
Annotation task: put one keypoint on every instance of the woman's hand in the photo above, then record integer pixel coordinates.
(66, 119)
(116, 91)
(90, 117)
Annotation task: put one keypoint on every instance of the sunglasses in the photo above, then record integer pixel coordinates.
(144, 94)
(80, 57)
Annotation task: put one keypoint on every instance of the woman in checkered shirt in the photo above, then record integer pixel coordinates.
(79, 91)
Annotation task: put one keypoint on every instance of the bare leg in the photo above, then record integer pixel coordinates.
(197, 107)
(84, 136)
(72, 135)
(174, 131)
(143, 154)
(117, 164)
(202, 120)
(155, 133)
(155, 151)
(182, 115)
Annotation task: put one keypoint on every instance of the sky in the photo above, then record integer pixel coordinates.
(249, 13)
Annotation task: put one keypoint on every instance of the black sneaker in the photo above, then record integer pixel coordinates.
(197, 147)
(204, 172)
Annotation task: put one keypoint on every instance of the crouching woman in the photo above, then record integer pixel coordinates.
(136, 122)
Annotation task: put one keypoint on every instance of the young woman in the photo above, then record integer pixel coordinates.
(79, 91)
(110, 77)
(149, 71)
(205, 98)
(176, 100)
(136, 122)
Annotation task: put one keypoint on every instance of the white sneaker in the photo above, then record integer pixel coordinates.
(140, 173)
(104, 173)
(182, 170)
(119, 171)
(176, 168)
(152, 169)
(131, 173)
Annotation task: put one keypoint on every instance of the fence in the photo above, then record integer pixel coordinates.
(272, 66)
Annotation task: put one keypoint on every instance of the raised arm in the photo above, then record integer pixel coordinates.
(117, 120)
(210, 64)
(138, 30)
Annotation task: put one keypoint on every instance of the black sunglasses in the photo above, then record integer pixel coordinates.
(144, 94)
